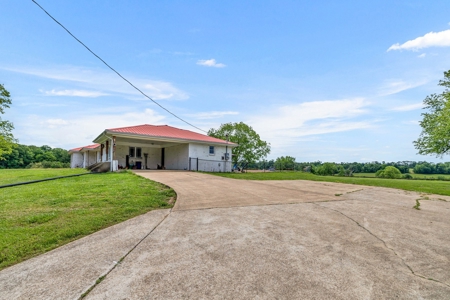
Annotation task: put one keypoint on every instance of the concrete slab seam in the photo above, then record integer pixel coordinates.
(264, 204)
(102, 277)
(299, 190)
(384, 243)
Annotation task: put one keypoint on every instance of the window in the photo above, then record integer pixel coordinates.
(211, 150)
(135, 152)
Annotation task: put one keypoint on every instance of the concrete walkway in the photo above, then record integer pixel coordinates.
(236, 239)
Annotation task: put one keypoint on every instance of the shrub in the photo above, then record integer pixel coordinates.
(407, 176)
(48, 165)
(389, 172)
(327, 169)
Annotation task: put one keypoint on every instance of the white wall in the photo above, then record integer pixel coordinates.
(153, 158)
(208, 162)
(76, 160)
(176, 157)
(90, 158)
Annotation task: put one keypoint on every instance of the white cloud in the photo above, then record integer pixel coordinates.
(408, 107)
(74, 93)
(395, 86)
(422, 55)
(297, 128)
(210, 63)
(431, 39)
(78, 130)
(285, 124)
(212, 114)
(108, 82)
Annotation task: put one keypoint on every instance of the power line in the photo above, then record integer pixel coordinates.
(112, 69)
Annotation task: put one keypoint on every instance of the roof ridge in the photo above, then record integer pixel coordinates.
(132, 126)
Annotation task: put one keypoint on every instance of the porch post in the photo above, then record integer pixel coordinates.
(111, 155)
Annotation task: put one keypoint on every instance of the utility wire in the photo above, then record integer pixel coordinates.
(112, 69)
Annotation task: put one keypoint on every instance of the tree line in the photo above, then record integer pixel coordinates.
(23, 156)
(318, 167)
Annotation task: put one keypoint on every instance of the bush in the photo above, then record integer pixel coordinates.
(389, 172)
(407, 176)
(327, 169)
(48, 165)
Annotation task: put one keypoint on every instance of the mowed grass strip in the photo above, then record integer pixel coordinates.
(8, 176)
(424, 186)
(39, 217)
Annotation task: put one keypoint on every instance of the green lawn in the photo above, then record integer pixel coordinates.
(424, 186)
(38, 217)
(8, 176)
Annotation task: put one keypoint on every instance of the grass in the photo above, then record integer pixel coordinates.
(416, 176)
(38, 217)
(424, 186)
(8, 176)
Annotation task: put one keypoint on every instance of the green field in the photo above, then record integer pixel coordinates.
(417, 176)
(38, 217)
(8, 176)
(424, 186)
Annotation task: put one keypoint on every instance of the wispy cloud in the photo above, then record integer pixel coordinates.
(431, 39)
(395, 86)
(210, 63)
(422, 55)
(78, 130)
(74, 93)
(408, 107)
(108, 82)
(286, 126)
(181, 53)
(54, 123)
(212, 114)
(310, 118)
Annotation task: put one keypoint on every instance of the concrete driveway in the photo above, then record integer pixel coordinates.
(235, 239)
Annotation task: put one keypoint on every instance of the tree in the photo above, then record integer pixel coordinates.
(250, 146)
(327, 169)
(285, 162)
(7, 140)
(435, 135)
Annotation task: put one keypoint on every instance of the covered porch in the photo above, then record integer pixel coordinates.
(144, 154)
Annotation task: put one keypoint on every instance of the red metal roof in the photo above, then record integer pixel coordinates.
(165, 131)
(84, 147)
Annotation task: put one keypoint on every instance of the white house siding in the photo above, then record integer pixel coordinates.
(208, 162)
(76, 160)
(90, 158)
(176, 157)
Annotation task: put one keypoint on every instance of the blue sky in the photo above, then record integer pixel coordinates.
(319, 80)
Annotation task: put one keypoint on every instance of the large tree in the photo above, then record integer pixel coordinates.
(251, 148)
(435, 135)
(7, 141)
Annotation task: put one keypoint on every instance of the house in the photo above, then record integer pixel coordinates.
(83, 157)
(153, 147)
